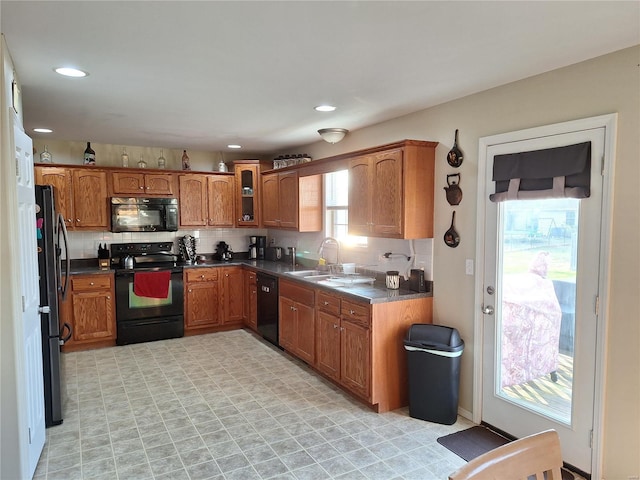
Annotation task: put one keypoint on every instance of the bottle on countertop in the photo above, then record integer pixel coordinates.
(186, 163)
(142, 163)
(45, 156)
(89, 155)
(162, 162)
(124, 157)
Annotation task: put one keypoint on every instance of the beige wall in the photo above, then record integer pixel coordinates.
(604, 85)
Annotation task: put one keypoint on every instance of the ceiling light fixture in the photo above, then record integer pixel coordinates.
(42, 130)
(333, 135)
(233, 145)
(325, 108)
(70, 72)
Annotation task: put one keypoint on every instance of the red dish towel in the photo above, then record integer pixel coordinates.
(151, 284)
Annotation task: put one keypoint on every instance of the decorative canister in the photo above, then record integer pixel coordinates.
(393, 280)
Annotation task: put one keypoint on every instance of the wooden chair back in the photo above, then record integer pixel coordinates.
(529, 457)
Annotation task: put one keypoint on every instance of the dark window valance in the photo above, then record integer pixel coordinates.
(561, 172)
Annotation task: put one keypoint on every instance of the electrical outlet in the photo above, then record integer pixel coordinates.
(468, 266)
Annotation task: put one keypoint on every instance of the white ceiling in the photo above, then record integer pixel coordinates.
(202, 74)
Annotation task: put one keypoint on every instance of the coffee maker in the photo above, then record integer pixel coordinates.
(253, 247)
(261, 246)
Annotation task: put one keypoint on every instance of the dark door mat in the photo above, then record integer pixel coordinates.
(475, 441)
(472, 442)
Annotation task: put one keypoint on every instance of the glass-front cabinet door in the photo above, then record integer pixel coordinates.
(247, 174)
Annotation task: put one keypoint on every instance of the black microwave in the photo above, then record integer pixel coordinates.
(130, 214)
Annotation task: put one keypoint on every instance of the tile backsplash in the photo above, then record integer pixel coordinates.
(85, 245)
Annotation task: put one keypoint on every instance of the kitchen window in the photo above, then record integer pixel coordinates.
(336, 200)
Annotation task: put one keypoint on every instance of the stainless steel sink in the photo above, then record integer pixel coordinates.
(305, 273)
(310, 275)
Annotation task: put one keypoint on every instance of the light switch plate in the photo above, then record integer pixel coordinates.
(468, 267)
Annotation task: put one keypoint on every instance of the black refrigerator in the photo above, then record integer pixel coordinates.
(52, 239)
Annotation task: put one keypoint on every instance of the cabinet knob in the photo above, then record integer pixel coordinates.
(91, 283)
(68, 220)
(77, 220)
(335, 326)
(342, 329)
(147, 188)
(201, 276)
(108, 297)
(226, 274)
(352, 312)
(190, 290)
(326, 303)
(141, 187)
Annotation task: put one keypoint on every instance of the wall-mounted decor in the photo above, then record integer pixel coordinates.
(451, 237)
(454, 192)
(455, 156)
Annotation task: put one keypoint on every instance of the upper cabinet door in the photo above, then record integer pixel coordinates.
(360, 192)
(270, 202)
(387, 193)
(221, 192)
(247, 196)
(193, 200)
(90, 200)
(61, 179)
(288, 199)
(159, 184)
(127, 183)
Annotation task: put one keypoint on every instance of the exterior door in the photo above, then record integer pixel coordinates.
(540, 297)
(31, 330)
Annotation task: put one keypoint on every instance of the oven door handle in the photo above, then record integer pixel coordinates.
(139, 323)
(130, 273)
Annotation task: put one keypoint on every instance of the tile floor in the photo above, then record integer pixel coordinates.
(227, 406)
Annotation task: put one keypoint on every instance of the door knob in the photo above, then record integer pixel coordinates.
(488, 310)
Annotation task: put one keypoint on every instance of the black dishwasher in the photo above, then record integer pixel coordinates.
(267, 286)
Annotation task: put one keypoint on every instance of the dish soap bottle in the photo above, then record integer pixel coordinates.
(124, 157)
(45, 156)
(186, 163)
(89, 155)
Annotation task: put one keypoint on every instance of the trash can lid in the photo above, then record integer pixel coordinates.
(438, 337)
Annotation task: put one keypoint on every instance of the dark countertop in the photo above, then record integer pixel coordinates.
(372, 293)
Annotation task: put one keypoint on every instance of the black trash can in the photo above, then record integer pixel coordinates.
(433, 361)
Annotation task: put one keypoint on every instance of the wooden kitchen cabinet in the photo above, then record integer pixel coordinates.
(81, 195)
(247, 201)
(232, 279)
(360, 346)
(391, 191)
(292, 202)
(297, 320)
(90, 310)
(206, 200)
(250, 313)
(142, 184)
(202, 299)
(355, 348)
(343, 343)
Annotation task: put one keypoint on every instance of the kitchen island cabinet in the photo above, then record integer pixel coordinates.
(81, 195)
(90, 310)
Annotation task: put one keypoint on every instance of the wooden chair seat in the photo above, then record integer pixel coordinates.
(529, 457)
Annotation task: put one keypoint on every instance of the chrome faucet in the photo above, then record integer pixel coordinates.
(327, 241)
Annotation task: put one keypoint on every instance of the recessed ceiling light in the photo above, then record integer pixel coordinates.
(42, 130)
(325, 108)
(233, 145)
(70, 72)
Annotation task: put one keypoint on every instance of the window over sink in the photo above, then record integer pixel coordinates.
(336, 201)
